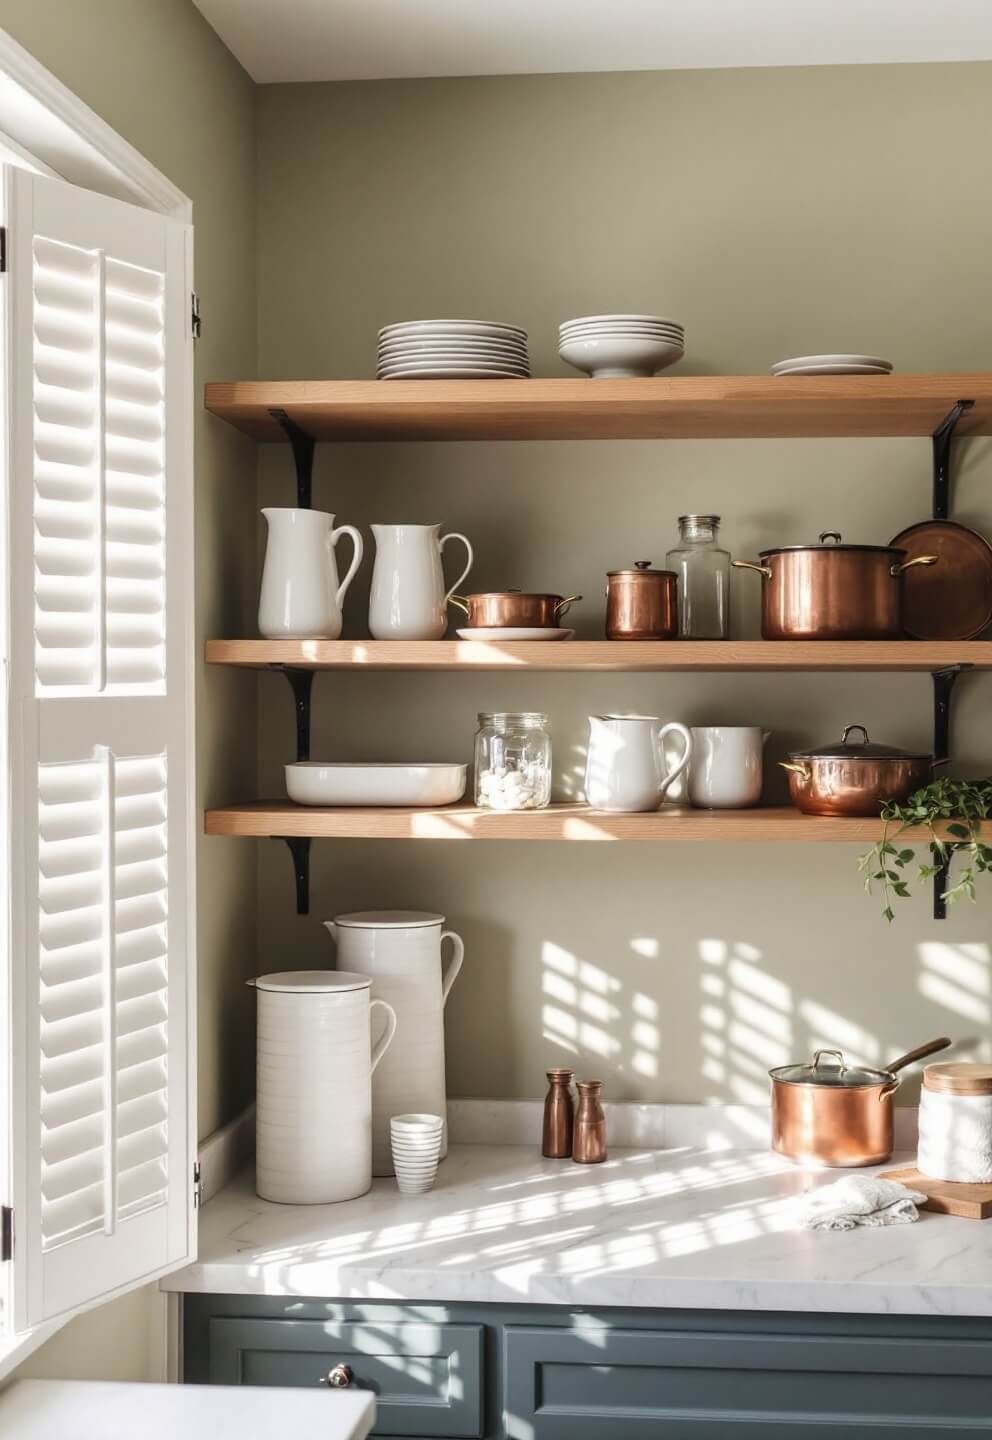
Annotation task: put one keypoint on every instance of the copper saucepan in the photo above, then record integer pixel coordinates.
(832, 591)
(838, 1114)
(506, 608)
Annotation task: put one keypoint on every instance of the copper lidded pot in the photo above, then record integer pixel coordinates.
(854, 777)
(832, 1113)
(641, 603)
(499, 609)
(832, 591)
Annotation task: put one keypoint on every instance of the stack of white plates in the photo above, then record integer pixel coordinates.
(452, 350)
(608, 347)
(833, 365)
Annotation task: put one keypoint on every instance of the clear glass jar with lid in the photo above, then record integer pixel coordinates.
(513, 761)
(703, 570)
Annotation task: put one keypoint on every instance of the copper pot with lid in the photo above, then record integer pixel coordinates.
(832, 591)
(516, 608)
(855, 776)
(832, 1113)
(641, 603)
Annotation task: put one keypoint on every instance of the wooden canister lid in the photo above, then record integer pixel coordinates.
(962, 1077)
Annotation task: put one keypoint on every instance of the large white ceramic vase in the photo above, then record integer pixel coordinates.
(400, 950)
(315, 1061)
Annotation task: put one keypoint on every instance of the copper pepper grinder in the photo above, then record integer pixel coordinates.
(589, 1142)
(556, 1141)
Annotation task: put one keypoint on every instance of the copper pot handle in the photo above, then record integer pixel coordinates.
(561, 606)
(917, 560)
(920, 1053)
(796, 769)
(839, 1054)
(749, 565)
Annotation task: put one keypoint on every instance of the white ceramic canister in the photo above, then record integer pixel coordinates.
(956, 1123)
(626, 764)
(315, 1061)
(400, 950)
(408, 600)
(300, 597)
(726, 769)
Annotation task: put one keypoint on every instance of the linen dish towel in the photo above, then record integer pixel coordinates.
(860, 1200)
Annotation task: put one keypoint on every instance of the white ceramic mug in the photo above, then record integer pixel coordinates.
(626, 768)
(408, 599)
(301, 598)
(726, 769)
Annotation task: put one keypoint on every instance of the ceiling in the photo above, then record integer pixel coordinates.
(383, 39)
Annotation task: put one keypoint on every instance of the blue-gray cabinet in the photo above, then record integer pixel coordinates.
(545, 1373)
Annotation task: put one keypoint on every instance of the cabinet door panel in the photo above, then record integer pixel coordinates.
(427, 1379)
(606, 1384)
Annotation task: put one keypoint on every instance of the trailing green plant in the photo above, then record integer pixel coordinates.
(959, 806)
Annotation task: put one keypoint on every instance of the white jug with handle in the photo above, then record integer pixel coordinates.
(315, 1062)
(626, 768)
(408, 600)
(301, 598)
(401, 951)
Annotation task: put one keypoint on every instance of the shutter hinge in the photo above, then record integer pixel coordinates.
(3, 248)
(194, 315)
(6, 1233)
(197, 1186)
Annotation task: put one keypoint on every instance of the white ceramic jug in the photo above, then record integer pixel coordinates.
(408, 600)
(301, 598)
(626, 767)
(315, 1061)
(401, 951)
(725, 772)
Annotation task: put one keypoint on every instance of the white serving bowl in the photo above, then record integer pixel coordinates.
(310, 782)
(662, 331)
(620, 319)
(619, 356)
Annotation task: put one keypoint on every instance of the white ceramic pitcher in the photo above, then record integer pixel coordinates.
(401, 951)
(726, 769)
(626, 767)
(315, 1061)
(301, 598)
(408, 600)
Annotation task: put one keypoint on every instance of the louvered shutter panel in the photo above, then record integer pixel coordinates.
(100, 545)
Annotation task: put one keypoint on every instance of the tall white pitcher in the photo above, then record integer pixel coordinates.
(301, 598)
(401, 951)
(626, 765)
(408, 600)
(315, 1061)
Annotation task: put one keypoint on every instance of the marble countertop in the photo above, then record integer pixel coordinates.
(657, 1228)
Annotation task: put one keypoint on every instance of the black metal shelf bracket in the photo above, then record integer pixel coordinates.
(299, 848)
(301, 684)
(943, 687)
(303, 447)
(942, 438)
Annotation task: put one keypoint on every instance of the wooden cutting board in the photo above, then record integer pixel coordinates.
(974, 1202)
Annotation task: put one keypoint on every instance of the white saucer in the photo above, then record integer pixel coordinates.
(805, 361)
(515, 632)
(832, 370)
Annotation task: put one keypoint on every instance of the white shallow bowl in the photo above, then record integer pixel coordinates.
(619, 356)
(635, 333)
(309, 782)
(831, 370)
(620, 319)
(807, 360)
(515, 632)
(599, 327)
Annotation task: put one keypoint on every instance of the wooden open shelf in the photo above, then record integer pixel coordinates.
(558, 822)
(563, 655)
(684, 408)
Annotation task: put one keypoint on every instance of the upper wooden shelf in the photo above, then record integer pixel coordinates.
(689, 407)
(563, 655)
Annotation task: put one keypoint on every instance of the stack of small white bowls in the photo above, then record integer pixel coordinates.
(416, 1146)
(452, 350)
(610, 347)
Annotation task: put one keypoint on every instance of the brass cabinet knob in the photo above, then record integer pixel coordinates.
(338, 1377)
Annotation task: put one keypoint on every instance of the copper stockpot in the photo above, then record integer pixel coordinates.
(854, 778)
(838, 1114)
(505, 608)
(641, 603)
(832, 591)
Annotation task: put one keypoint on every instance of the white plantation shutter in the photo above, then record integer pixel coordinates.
(100, 531)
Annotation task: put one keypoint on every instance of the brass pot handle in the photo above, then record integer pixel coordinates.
(749, 565)
(561, 606)
(460, 600)
(917, 560)
(795, 768)
(339, 1377)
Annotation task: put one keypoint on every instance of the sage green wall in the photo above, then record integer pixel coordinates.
(775, 213)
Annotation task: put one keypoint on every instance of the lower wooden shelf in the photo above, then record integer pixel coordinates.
(558, 822)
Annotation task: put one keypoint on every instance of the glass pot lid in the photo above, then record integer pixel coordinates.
(829, 1068)
(858, 749)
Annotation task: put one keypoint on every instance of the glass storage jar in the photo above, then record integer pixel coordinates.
(703, 570)
(512, 761)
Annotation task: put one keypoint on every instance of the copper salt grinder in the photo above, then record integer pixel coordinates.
(556, 1141)
(589, 1141)
(641, 603)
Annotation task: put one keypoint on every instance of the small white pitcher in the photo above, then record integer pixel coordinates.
(408, 600)
(301, 598)
(726, 770)
(626, 767)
